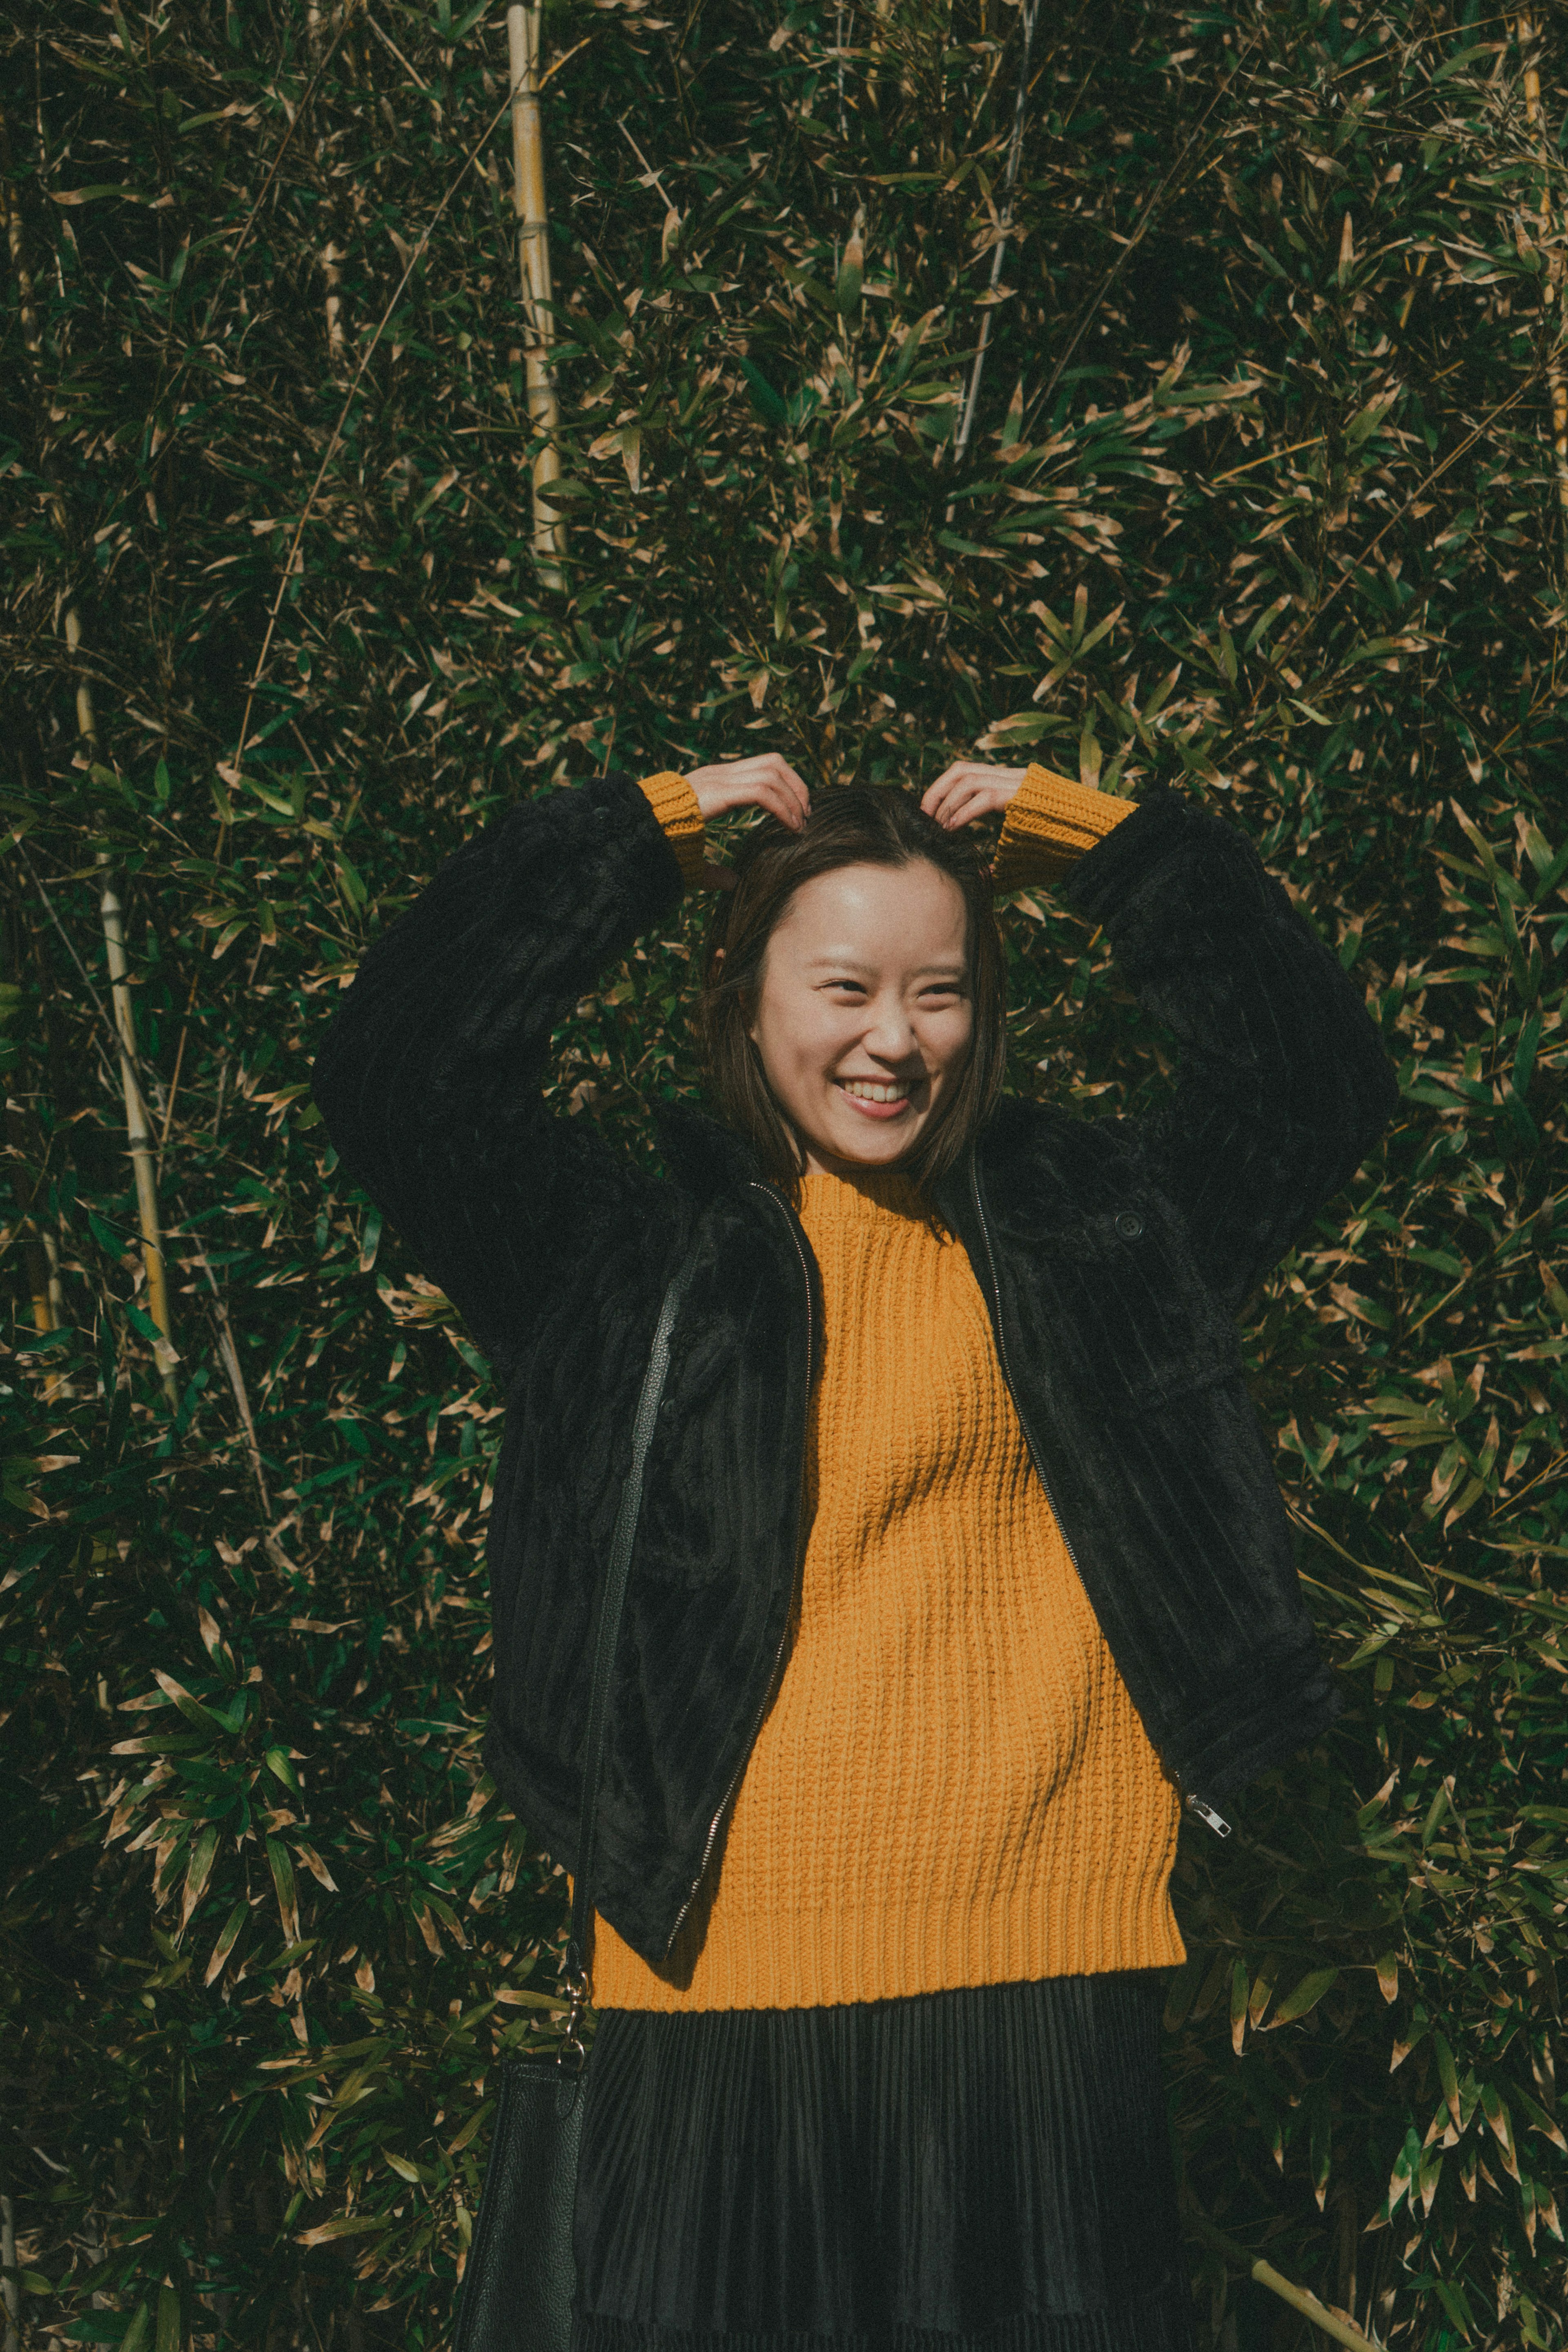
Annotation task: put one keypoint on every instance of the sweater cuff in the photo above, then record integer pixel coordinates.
(1050, 824)
(674, 804)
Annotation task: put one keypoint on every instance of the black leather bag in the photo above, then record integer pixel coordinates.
(520, 2277)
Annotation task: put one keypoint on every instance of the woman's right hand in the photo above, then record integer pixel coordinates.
(768, 782)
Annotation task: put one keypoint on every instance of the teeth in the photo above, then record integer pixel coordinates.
(869, 1091)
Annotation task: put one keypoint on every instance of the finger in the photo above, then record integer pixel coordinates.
(956, 810)
(941, 792)
(783, 804)
(768, 782)
(795, 787)
(782, 792)
(965, 806)
(948, 799)
(985, 800)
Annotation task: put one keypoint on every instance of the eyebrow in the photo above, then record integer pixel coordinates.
(853, 963)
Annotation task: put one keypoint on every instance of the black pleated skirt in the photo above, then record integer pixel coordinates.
(985, 2170)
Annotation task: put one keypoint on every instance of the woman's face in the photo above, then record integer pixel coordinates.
(865, 1018)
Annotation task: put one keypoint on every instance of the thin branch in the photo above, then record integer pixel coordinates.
(388, 43)
(296, 119)
(1311, 620)
(1015, 149)
(228, 1356)
(1141, 230)
(179, 1059)
(81, 968)
(234, 768)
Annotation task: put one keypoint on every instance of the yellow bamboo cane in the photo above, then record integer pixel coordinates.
(138, 1128)
(42, 1284)
(38, 1250)
(1551, 293)
(13, 2290)
(533, 257)
(1326, 2322)
(31, 335)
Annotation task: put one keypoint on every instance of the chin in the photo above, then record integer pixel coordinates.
(878, 1150)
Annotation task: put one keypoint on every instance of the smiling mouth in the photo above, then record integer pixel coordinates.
(876, 1090)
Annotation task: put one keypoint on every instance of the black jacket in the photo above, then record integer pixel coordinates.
(1113, 1253)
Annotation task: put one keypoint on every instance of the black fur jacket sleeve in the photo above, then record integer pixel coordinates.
(1282, 1085)
(430, 1077)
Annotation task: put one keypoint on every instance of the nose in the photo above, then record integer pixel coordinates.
(890, 1036)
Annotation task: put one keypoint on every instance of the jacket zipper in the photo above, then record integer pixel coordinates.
(1206, 1813)
(779, 1653)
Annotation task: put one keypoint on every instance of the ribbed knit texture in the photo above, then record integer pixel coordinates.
(674, 804)
(952, 1786)
(1050, 823)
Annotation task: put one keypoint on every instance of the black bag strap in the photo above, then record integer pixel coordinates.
(611, 1596)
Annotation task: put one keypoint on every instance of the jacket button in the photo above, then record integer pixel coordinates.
(1129, 1225)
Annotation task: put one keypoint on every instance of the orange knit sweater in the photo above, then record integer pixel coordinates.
(951, 1786)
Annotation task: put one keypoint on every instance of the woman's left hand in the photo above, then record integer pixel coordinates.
(966, 791)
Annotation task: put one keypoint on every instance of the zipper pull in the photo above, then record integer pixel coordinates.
(1206, 1813)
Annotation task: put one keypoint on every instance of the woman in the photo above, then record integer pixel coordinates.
(961, 1567)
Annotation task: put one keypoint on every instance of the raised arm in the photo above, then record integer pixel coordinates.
(1282, 1085)
(429, 1079)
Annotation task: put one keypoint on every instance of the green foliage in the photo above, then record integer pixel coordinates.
(1260, 491)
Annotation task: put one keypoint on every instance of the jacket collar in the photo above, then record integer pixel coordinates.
(704, 1156)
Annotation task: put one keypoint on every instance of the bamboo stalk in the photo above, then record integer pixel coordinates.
(12, 2291)
(138, 1134)
(839, 45)
(31, 335)
(40, 1256)
(36, 1264)
(331, 254)
(882, 11)
(1551, 293)
(523, 40)
(38, 1249)
(138, 1128)
(38, 1267)
(1325, 2321)
(56, 1384)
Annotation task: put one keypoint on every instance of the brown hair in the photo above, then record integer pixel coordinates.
(849, 824)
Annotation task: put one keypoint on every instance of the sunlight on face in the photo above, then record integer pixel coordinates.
(864, 1016)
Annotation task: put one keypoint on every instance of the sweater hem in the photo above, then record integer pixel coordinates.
(840, 1955)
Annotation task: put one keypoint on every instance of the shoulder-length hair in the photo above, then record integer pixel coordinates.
(849, 824)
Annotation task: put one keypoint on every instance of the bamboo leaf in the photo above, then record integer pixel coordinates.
(282, 1869)
(1305, 1997)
